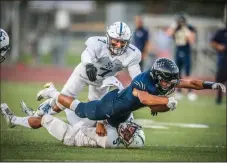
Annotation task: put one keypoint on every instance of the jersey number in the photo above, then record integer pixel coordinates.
(105, 71)
(117, 141)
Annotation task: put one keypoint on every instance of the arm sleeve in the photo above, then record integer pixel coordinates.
(89, 55)
(134, 67)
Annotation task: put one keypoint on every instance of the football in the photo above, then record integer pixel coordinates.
(159, 108)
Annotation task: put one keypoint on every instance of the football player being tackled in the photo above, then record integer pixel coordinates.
(150, 88)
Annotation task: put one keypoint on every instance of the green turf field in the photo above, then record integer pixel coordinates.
(170, 136)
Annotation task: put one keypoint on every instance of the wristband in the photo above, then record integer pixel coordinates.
(207, 85)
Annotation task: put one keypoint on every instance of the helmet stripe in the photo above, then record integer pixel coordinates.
(120, 28)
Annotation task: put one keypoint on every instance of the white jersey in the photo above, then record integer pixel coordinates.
(80, 134)
(83, 133)
(112, 140)
(107, 64)
(87, 136)
(81, 140)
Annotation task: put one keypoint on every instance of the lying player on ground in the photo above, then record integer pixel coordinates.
(150, 88)
(104, 56)
(81, 133)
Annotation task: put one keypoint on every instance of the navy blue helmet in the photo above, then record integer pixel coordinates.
(165, 73)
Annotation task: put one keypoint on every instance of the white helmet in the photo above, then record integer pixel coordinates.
(4, 42)
(131, 135)
(119, 31)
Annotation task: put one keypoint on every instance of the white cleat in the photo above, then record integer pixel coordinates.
(48, 92)
(192, 96)
(8, 114)
(27, 110)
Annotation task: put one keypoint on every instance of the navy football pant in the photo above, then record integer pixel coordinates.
(221, 75)
(103, 109)
(183, 60)
(98, 109)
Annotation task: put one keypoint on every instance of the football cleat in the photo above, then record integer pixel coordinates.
(8, 114)
(46, 92)
(27, 110)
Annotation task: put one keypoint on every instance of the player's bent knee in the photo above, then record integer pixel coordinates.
(35, 122)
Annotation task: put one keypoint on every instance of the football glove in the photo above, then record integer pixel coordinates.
(91, 72)
(172, 103)
(219, 86)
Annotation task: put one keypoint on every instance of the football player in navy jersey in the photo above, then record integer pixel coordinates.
(150, 88)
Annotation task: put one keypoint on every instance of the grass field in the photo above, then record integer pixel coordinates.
(71, 59)
(175, 141)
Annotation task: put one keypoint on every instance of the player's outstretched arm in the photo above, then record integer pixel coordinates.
(148, 99)
(156, 101)
(199, 85)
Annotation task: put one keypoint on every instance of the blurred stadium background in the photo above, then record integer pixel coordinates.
(47, 39)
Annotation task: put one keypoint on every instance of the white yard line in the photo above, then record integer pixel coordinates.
(146, 123)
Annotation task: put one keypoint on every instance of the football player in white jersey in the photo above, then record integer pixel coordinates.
(82, 133)
(103, 57)
(4, 44)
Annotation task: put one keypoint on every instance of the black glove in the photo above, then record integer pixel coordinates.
(91, 72)
(154, 113)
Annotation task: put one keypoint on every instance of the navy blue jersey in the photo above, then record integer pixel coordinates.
(116, 106)
(141, 36)
(126, 101)
(221, 38)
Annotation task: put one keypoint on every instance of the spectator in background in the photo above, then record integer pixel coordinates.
(163, 43)
(62, 24)
(184, 36)
(219, 43)
(141, 39)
